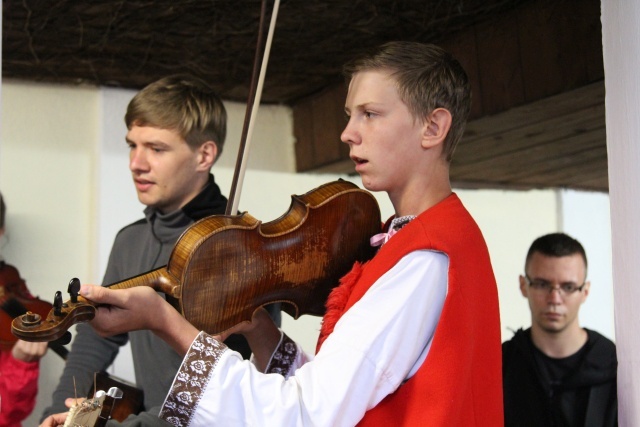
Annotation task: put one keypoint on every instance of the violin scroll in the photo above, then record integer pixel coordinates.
(63, 315)
(31, 327)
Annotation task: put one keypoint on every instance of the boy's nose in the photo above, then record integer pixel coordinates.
(349, 135)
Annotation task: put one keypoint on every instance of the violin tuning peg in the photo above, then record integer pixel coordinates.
(57, 304)
(74, 289)
(30, 319)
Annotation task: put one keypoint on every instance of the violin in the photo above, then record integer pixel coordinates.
(15, 300)
(225, 267)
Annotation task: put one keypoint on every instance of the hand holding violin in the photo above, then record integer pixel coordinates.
(138, 308)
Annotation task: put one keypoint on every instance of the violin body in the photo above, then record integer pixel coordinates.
(15, 299)
(296, 259)
(225, 267)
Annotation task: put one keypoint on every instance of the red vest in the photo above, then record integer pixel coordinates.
(460, 382)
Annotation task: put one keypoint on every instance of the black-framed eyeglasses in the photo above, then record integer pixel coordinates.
(542, 285)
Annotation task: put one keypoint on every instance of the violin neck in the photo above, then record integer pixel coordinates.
(158, 279)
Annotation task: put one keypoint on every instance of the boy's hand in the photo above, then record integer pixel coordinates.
(138, 308)
(124, 310)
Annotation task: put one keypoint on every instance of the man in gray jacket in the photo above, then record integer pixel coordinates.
(176, 130)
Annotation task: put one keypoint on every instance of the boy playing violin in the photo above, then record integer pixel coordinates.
(411, 337)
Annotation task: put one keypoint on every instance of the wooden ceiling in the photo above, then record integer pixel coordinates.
(535, 65)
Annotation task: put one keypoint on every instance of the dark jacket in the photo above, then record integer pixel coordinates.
(531, 398)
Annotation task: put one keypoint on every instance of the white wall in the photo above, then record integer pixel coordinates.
(510, 221)
(45, 176)
(586, 217)
(64, 173)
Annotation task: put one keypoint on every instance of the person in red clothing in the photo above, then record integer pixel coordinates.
(19, 367)
(411, 337)
(19, 370)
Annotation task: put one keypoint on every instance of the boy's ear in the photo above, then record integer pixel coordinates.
(436, 127)
(207, 154)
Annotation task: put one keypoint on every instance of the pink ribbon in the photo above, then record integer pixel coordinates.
(382, 238)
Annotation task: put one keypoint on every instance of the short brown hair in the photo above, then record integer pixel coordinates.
(182, 103)
(427, 77)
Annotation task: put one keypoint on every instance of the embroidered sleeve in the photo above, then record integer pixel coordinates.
(283, 358)
(191, 380)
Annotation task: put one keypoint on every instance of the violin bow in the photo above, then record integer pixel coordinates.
(253, 103)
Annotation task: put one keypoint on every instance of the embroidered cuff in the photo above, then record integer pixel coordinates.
(283, 357)
(192, 379)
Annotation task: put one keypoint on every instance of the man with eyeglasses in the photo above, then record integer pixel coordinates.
(557, 373)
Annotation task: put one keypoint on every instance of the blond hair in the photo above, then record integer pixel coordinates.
(184, 104)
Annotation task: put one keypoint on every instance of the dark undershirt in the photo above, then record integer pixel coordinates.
(569, 407)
